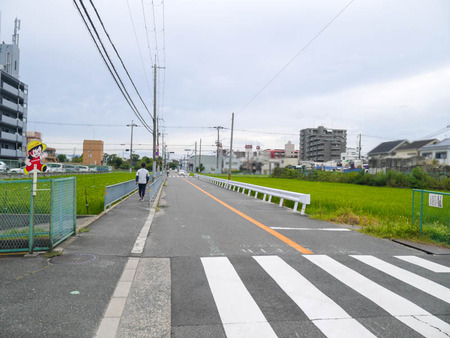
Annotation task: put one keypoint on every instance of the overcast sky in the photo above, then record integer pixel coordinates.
(380, 69)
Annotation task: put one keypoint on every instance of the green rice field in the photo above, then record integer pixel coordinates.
(91, 190)
(381, 211)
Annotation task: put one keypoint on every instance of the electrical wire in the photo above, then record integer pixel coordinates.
(146, 32)
(293, 59)
(139, 48)
(118, 55)
(114, 74)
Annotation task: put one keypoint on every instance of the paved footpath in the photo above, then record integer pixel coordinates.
(73, 294)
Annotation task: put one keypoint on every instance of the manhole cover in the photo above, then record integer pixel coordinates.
(74, 259)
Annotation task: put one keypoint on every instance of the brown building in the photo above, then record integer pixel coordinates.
(51, 152)
(93, 152)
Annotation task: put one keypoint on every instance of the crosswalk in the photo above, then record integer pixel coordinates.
(321, 286)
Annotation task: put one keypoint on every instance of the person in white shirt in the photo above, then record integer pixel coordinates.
(142, 178)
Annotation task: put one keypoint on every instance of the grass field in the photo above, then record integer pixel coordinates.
(381, 211)
(91, 190)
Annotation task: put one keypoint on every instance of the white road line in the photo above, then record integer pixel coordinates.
(240, 315)
(314, 229)
(110, 322)
(408, 277)
(142, 237)
(405, 311)
(329, 317)
(425, 264)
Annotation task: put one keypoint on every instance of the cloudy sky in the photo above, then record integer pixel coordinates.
(376, 68)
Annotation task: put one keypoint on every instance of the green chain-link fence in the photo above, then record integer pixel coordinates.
(38, 222)
(431, 212)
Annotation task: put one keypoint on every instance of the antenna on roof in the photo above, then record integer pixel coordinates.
(15, 37)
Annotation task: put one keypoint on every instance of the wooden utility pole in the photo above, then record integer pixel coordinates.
(131, 144)
(200, 158)
(231, 147)
(218, 145)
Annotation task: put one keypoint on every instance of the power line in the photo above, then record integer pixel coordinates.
(139, 48)
(118, 55)
(114, 74)
(295, 57)
(78, 124)
(146, 32)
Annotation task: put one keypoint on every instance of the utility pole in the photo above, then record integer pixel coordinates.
(231, 147)
(131, 144)
(359, 148)
(155, 122)
(200, 158)
(218, 144)
(195, 157)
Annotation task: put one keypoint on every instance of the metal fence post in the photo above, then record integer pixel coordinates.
(421, 210)
(74, 205)
(31, 231)
(50, 232)
(412, 216)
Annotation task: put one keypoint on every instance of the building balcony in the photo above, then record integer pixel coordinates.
(12, 153)
(11, 121)
(12, 137)
(12, 105)
(11, 89)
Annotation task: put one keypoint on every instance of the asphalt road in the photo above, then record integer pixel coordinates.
(217, 263)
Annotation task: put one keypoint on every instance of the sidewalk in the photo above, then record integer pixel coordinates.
(69, 295)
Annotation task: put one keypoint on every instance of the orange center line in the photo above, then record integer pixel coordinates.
(259, 224)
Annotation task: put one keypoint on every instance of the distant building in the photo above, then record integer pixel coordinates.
(412, 149)
(322, 144)
(439, 152)
(93, 152)
(13, 103)
(386, 149)
(10, 53)
(13, 117)
(350, 155)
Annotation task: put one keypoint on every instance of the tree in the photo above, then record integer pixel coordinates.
(77, 159)
(61, 158)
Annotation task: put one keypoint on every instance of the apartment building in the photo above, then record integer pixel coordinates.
(13, 102)
(93, 152)
(13, 117)
(322, 144)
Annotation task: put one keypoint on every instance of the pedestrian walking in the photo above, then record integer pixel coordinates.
(142, 178)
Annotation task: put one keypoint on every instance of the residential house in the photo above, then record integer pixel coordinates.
(438, 151)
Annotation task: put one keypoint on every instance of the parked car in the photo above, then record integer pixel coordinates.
(3, 167)
(182, 173)
(69, 168)
(82, 168)
(55, 168)
(17, 170)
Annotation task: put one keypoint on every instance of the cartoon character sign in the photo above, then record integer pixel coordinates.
(35, 154)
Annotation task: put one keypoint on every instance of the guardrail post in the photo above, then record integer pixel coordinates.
(295, 206)
(281, 202)
(303, 209)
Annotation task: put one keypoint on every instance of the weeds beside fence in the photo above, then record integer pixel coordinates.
(417, 179)
(431, 213)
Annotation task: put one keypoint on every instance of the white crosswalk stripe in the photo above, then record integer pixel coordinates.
(405, 276)
(329, 317)
(241, 315)
(404, 310)
(425, 264)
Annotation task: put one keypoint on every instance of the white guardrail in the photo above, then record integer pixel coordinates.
(297, 197)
